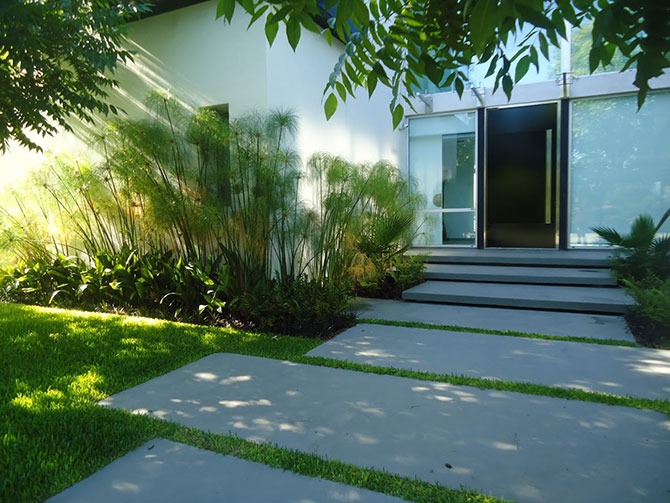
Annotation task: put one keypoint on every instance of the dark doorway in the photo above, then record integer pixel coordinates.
(521, 177)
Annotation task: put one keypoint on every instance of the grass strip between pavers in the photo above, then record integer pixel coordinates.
(312, 465)
(510, 333)
(662, 406)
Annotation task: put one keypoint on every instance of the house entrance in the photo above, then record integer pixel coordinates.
(521, 177)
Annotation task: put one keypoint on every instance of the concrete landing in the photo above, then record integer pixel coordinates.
(513, 274)
(528, 448)
(595, 326)
(639, 372)
(564, 298)
(529, 257)
(162, 471)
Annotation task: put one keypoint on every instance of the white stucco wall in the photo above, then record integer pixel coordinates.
(361, 129)
(204, 61)
(187, 52)
(198, 59)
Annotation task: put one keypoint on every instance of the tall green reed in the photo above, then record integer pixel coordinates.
(218, 193)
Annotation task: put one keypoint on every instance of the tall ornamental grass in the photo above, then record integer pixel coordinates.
(190, 198)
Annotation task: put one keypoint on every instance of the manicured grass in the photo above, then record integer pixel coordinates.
(56, 364)
(511, 333)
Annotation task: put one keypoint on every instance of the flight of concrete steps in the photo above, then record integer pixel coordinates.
(573, 280)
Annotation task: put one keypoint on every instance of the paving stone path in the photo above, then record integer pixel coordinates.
(638, 372)
(522, 447)
(161, 471)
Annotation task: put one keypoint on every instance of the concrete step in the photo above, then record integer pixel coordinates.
(561, 298)
(533, 257)
(517, 274)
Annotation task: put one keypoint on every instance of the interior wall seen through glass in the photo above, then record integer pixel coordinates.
(442, 153)
(620, 164)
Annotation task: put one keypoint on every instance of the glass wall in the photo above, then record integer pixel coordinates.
(548, 69)
(620, 163)
(426, 86)
(580, 46)
(442, 160)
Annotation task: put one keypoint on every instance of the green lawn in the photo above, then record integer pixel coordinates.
(55, 365)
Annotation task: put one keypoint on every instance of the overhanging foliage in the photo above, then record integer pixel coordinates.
(57, 58)
(395, 43)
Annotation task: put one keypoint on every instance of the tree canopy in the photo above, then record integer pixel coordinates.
(395, 43)
(57, 58)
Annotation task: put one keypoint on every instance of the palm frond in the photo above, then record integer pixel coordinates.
(641, 232)
(609, 234)
(665, 216)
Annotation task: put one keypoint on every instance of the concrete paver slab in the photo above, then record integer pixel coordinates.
(529, 448)
(595, 326)
(567, 298)
(638, 372)
(162, 471)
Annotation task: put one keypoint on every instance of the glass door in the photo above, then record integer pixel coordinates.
(521, 166)
(442, 162)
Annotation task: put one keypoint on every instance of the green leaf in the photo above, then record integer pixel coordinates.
(361, 13)
(433, 71)
(247, 5)
(225, 8)
(594, 59)
(534, 58)
(460, 87)
(483, 23)
(398, 114)
(271, 31)
(534, 17)
(257, 15)
(341, 90)
(492, 66)
(330, 106)
(507, 85)
(522, 68)
(220, 8)
(293, 32)
(371, 83)
(544, 46)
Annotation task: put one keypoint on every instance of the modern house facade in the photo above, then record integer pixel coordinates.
(567, 152)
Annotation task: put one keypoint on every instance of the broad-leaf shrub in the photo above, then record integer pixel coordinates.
(151, 284)
(403, 273)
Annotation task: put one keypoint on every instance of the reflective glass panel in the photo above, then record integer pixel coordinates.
(580, 46)
(442, 151)
(620, 164)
